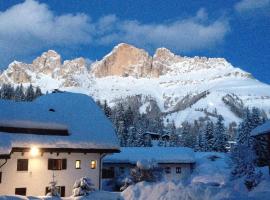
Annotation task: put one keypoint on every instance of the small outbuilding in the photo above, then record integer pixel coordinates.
(262, 134)
(177, 162)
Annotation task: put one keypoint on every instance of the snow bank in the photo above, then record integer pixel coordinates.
(157, 154)
(99, 195)
(87, 126)
(211, 168)
(170, 190)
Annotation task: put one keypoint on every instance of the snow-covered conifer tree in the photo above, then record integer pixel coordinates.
(19, 93)
(208, 139)
(30, 93)
(220, 137)
(38, 92)
(243, 155)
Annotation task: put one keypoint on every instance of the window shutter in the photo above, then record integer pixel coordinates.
(22, 165)
(64, 163)
(50, 164)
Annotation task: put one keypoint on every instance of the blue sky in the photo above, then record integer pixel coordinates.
(238, 30)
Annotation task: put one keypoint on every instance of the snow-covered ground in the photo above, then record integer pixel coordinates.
(210, 181)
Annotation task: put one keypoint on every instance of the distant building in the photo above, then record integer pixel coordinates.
(60, 136)
(177, 162)
(262, 132)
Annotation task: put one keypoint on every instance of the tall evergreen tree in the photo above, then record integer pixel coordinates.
(131, 137)
(200, 142)
(19, 93)
(30, 93)
(208, 139)
(174, 138)
(38, 92)
(243, 155)
(122, 134)
(186, 138)
(107, 109)
(220, 137)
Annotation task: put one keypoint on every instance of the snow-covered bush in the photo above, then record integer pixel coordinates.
(146, 171)
(253, 179)
(53, 191)
(83, 187)
(126, 182)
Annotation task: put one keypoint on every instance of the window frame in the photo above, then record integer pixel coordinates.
(93, 164)
(18, 192)
(178, 170)
(168, 170)
(57, 164)
(80, 164)
(22, 167)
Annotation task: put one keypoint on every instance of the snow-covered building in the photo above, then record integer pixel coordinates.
(262, 132)
(177, 162)
(59, 136)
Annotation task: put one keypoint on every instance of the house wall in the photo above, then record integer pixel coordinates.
(186, 170)
(124, 169)
(37, 178)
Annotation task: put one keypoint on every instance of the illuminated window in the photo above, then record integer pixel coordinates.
(78, 164)
(93, 164)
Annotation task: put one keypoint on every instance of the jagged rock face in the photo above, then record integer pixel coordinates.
(47, 62)
(14, 72)
(124, 60)
(161, 60)
(70, 69)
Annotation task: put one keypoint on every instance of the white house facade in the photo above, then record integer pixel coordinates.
(59, 137)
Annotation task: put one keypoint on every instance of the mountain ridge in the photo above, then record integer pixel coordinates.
(183, 88)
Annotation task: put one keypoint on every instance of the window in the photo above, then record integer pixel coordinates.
(78, 164)
(167, 170)
(122, 170)
(0, 177)
(93, 164)
(57, 164)
(20, 191)
(178, 170)
(22, 165)
(108, 173)
(61, 190)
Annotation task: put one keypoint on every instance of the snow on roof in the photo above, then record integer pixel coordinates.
(159, 154)
(262, 129)
(88, 127)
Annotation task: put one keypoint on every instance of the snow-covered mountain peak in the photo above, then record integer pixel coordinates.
(181, 88)
(124, 60)
(47, 62)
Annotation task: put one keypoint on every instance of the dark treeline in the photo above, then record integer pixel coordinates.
(206, 135)
(19, 93)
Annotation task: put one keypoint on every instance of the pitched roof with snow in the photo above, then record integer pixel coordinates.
(75, 118)
(159, 154)
(263, 129)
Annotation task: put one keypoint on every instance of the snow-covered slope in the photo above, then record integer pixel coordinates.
(183, 88)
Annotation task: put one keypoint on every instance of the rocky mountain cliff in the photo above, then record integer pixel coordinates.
(182, 88)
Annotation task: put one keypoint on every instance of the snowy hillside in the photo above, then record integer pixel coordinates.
(183, 88)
